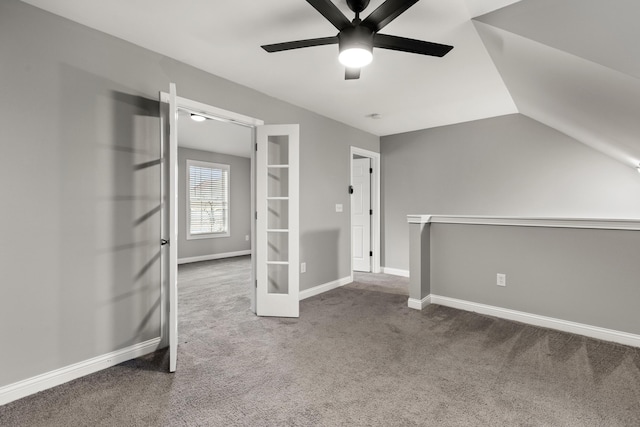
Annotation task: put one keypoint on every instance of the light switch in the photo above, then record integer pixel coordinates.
(338, 207)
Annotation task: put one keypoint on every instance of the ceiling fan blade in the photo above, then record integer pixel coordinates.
(298, 44)
(331, 12)
(352, 73)
(410, 45)
(386, 12)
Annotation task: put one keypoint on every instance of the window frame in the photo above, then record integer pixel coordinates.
(210, 165)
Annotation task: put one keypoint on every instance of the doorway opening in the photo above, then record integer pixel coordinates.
(220, 138)
(239, 133)
(274, 284)
(365, 210)
(214, 188)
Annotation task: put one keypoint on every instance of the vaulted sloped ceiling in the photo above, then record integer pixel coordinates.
(409, 92)
(573, 65)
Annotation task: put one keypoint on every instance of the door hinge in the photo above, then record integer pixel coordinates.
(256, 214)
(370, 253)
(256, 283)
(256, 146)
(370, 211)
(370, 170)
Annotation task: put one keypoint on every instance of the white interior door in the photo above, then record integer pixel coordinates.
(277, 223)
(171, 209)
(361, 214)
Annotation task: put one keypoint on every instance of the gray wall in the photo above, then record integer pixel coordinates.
(503, 166)
(579, 275)
(80, 262)
(240, 207)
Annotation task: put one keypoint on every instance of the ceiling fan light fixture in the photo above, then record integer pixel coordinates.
(357, 37)
(355, 57)
(197, 117)
(356, 47)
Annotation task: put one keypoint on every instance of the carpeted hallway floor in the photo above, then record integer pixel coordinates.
(357, 356)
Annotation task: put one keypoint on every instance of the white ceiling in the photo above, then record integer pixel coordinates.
(602, 31)
(549, 91)
(571, 64)
(409, 91)
(574, 66)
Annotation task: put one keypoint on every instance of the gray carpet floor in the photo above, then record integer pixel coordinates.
(357, 356)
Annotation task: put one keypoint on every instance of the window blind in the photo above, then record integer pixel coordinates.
(208, 198)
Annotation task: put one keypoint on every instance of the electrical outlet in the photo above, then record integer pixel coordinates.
(303, 267)
(338, 208)
(501, 279)
(246, 238)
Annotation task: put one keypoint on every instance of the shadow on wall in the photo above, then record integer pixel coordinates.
(109, 216)
(319, 248)
(136, 122)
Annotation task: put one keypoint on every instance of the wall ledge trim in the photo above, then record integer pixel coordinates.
(592, 223)
(395, 271)
(213, 256)
(317, 290)
(41, 382)
(543, 321)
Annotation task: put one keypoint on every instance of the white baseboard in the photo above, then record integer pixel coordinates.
(419, 304)
(543, 321)
(47, 380)
(213, 256)
(316, 290)
(395, 271)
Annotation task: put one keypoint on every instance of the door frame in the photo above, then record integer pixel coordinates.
(375, 205)
(216, 113)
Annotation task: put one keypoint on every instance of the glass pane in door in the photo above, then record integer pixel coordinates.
(278, 279)
(278, 182)
(278, 150)
(278, 247)
(277, 214)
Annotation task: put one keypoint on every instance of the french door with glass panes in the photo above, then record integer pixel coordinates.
(277, 188)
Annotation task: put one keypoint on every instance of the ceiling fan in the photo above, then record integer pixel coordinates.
(356, 39)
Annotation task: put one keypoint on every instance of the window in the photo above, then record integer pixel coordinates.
(207, 200)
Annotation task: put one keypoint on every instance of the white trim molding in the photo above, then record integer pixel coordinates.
(212, 112)
(60, 376)
(317, 290)
(418, 304)
(214, 256)
(395, 271)
(593, 223)
(542, 321)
